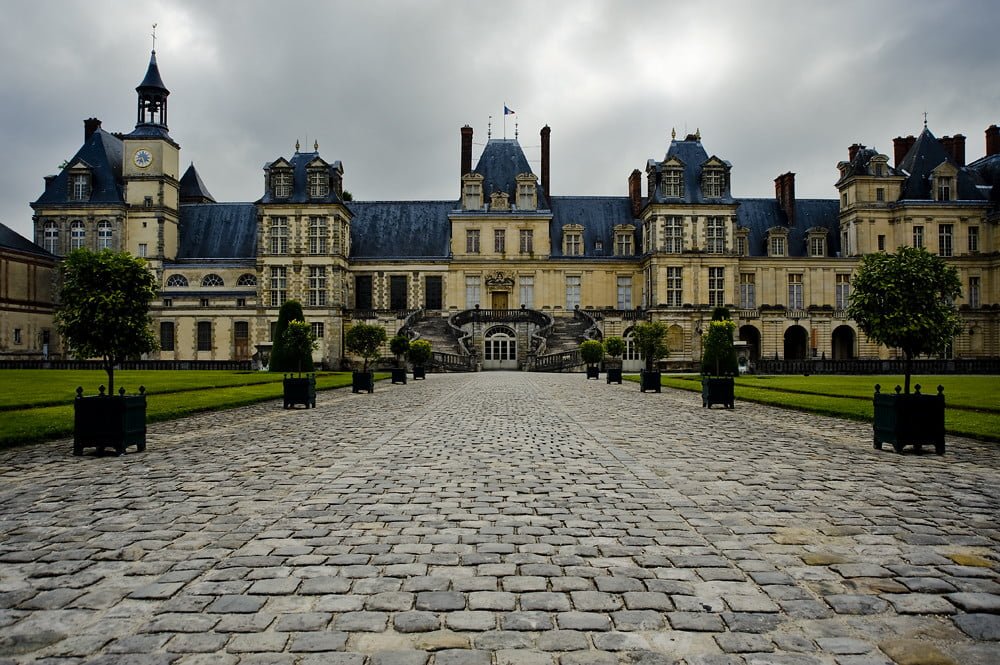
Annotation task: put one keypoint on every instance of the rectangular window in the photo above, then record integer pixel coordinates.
(81, 187)
(472, 241)
(318, 329)
(974, 292)
(623, 244)
(843, 291)
(673, 183)
(572, 291)
(279, 235)
(279, 285)
(433, 298)
(817, 246)
(525, 196)
(499, 241)
(526, 290)
(143, 250)
(204, 335)
(50, 237)
(317, 286)
(147, 201)
(166, 335)
(674, 287)
(317, 235)
(713, 181)
(282, 184)
(397, 292)
(473, 200)
(103, 235)
(748, 290)
(715, 235)
(574, 244)
(204, 302)
(674, 235)
(319, 184)
(624, 293)
(716, 287)
(945, 238)
(241, 302)
(918, 236)
(973, 239)
(472, 285)
(168, 302)
(880, 194)
(795, 291)
(881, 243)
(843, 200)
(778, 246)
(943, 189)
(527, 241)
(741, 245)
(77, 235)
(17, 335)
(363, 291)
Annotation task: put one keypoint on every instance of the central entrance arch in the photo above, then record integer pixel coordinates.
(500, 348)
(796, 343)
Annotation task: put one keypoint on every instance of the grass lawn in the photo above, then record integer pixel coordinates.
(972, 402)
(38, 404)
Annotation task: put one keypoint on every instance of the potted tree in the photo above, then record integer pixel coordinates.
(592, 353)
(614, 346)
(719, 363)
(905, 300)
(298, 343)
(651, 341)
(399, 345)
(419, 354)
(104, 313)
(282, 360)
(365, 340)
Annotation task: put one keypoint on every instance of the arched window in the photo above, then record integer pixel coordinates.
(177, 280)
(631, 351)
(77, 235)
(104, 235)
(50, 237)
(212, 280)
(247, 279)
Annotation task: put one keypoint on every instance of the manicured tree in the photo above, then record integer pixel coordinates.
(365, 340)
(614, 346)
(399, 345)
(419, 352)
(592, 352)
(281, 359)
(651, 341)
(104, 307)
(905, 300)
(718, 351)
(298, 343)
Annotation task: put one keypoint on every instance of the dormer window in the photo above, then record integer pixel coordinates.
(712, 183)
(527, 194)
(777, 242)
(281, 182)
(673, 183)
(573, 240)
(816, 238)
(319, 184)
(624, 240)
(79, 185)
(472, 192)
(945, 186)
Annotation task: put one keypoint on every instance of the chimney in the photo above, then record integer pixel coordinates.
(955, 147)
(992, 140)
(466, 150)
(635, 192)
(901, 146)
(545, 161)
(90, 125)
(784, 192)
(852, 151)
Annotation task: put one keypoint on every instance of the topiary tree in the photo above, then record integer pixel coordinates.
(718, 351)
(419, 352)
(905, 300)
(365, 340)
(282, 359)
(104, 307)
(399, 345)
(299, 343)
(591, 352)
(614, 346)
(651, 340)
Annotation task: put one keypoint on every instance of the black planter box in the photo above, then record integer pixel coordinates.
(115, 421)
(300, 390)
(593, 372)
(614, 375)
(361, 381)
(909, 420)
(649, 380)
(419, 372)
(399, 375)
(717, 390)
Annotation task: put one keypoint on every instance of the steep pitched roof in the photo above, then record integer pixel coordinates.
(924, 156)
(11, 239)
(299, 163)
(102, 153)
(598, 215)
(987, 171)
(400, 229)
(760, 215)
(500, 164)
(218, 231)
(153, 80)
(192, 189)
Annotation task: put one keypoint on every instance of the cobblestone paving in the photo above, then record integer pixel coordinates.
(502, 518)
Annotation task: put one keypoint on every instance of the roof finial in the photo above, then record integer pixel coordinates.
(673, 133)
(154, 38)
(489, 128)
(316, 146)
(515, 130)
(697, 133)
(296, 145)
(925, 119)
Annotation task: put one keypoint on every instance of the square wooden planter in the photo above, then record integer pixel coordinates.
(593, 372)
(614, 375)
(649, 381)
(399, 375)
(109, 421)
(300, 390)
(363, 381)
(419, 372)
(717, 390)
(909, 420)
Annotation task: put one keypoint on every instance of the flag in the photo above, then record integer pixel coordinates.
(507, 111)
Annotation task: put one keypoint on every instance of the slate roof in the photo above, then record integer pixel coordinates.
(217, 231)
(598, 215)
(924, 156)
(300, 182)
(102, 152)
(192, 189)
(861, 164)
(11, 239)
(400, 229)
(987, 172)
(152, 80)
(760, 215)
(501, 162)
(692, 154)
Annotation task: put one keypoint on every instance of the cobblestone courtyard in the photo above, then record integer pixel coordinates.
(496, 518)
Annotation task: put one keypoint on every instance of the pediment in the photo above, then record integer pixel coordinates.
(280, 163)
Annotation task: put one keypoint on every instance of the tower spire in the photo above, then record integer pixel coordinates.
(152, 95)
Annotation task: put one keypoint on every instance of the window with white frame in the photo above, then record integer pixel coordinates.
(472, 241)
(842, 293)
(880, 194)
(104, 235)
(281, 182)
(318, 329)
(945, 239)
(624, 292)
(673, 183)
(573, 243)
(675, 285)
(713, 183)
(631, 349)
(715, 235)
(973, 298)
(176, 280)
(247, 279)
(817, 246)
(472, 291)
(77, 235)
(80, 187)
(472, 195)
(319, 183)
(50, 237)
(623, 243)
(777, 245)
(944, 187)
(673, 232)
(279, 235)
(317, 235)
(572, 291)
(526, 196)
(500, 241)
(526, 290)
(795, 298)
(317, 286)
(279, 285)
(918, 236)
(527, 241)
(212, 279)
(748, 290)
(716, 287)
(973, 239)
(143, 250)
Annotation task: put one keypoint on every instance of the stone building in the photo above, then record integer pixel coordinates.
(27, 280)
(518, 270)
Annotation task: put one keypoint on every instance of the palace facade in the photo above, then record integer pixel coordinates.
(518, 271)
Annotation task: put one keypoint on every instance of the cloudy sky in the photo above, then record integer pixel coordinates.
(772, 85)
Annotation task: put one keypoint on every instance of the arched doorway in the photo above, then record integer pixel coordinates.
(842, 341)
(796, 343)
(500, 348)
(751, 336)
(631, 359)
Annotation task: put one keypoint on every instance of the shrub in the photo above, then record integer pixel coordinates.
(365, 340)
(399, 345)
(299, 343)
(282, 358)
(591, 351)
(614, 346)
(651, 341)
(419, 352)
(718, 352)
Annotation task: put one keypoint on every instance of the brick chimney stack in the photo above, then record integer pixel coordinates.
(852, 151)
(784, 192)
(901, 145)
(955, 147)
(545, 161)
(466, 150)
(90, 125)
(635, 192)
(992, 140)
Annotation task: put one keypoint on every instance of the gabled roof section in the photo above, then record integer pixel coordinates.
(690, 154)
(924, 156)
(400, 229)
(761, 215)
(500, 164)
(102, 152)
(11, 239)
(218, 231)
(192, 189)
(301, 163)
(598, 215)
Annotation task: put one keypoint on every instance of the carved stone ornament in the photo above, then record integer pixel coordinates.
(499, 201)
(500, 280)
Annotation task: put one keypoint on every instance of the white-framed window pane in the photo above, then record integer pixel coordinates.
(674, 235)
(572, 291)
(795, 291)
(279, 285)
(918, 236)
(279, 235)
(472, 241)
(674, 287)
(526, 291)
(716, 235)
(104, 235)
(472, 290)
(282, 181)
(716, 286)
(50, 237)
(318, 329)
(974, 292)
(499, 241)
(317, 235)
(748, 291)
(945, 236)
(973, 238)
(77, 235)
(843, 291)
(624, 293)
(317, 286)
(527, 241)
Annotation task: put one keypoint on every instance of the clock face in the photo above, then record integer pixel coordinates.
(142, 158)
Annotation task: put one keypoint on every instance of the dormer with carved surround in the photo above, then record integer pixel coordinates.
(472, 191)
(816, 242)
(280, 180)
(527, 191)
(318, 179)
(672, 179)
(714, 178)
(80, 182)
(624, 239)
(499, 201)
(777, 241)
(944, 181)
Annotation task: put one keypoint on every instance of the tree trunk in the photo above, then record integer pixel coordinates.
(908, 367)
(109, 367)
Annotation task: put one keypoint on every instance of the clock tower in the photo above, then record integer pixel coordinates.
(150, 167)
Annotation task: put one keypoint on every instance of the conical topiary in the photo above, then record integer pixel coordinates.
(282, 358)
